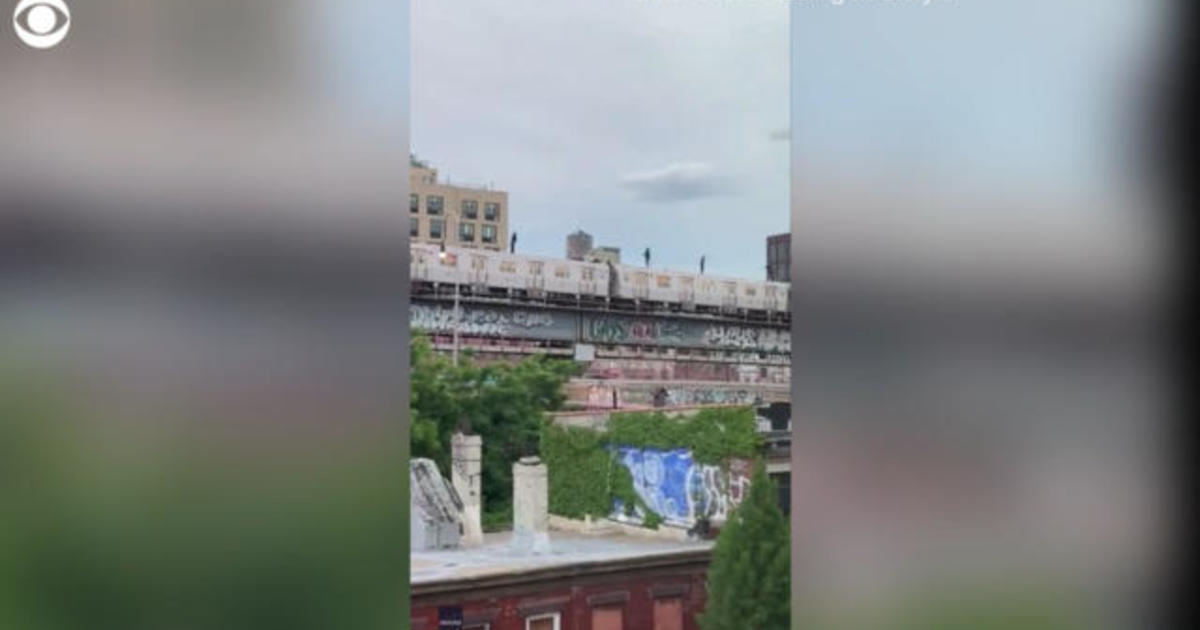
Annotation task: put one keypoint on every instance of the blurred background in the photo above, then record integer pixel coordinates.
(203, 334)
(978, 263)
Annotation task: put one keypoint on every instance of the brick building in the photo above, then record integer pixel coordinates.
(586, 582)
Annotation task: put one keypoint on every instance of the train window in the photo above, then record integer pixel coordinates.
(478, 262)
(751, 291)
(686, 282)
(535, 268)
(450, 260)
(731, 288)
(587, 273)
(769, 291)
(508, 266)
(663, 282)
(561, 272)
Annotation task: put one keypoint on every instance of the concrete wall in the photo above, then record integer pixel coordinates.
(435, 510)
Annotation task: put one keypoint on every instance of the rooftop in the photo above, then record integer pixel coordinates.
(496, 558)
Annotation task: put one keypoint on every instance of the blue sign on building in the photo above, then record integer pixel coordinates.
(450, 618)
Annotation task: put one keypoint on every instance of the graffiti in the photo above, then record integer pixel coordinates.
(599, 394)
(742, 337)
(680, 490)
(485, 322)
(621, 330)
(734, 341)
(696, 396)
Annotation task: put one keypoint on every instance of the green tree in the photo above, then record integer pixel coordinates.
(748, 579)
(504, 403)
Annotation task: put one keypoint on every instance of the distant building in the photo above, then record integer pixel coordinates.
(604, 254)
(779, 257)
(596, 581)
(458, 215)
(578, 245)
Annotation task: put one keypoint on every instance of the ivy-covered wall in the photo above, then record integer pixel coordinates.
(590, 472)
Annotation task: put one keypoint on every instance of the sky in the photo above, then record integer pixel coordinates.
(659, 124)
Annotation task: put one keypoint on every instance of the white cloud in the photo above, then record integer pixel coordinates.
(678, 181)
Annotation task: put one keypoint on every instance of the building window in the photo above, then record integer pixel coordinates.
(488, 234)
(470, 209)
(437, 228)
(414, 227)
(549, 621)
(607, 618)
(433, 204)
(414, 202)
(466, 232)
(668, 614)
(491, 211)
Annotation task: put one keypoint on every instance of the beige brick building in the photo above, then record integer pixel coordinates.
(460, 216)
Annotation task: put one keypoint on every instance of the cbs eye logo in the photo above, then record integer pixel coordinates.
(41, 23)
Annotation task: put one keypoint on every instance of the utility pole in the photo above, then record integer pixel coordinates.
(454, 351)
(454, 345)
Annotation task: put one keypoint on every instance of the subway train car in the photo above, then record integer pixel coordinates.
(482, 273)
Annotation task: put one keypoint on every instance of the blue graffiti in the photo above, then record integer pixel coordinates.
(680, 490)
(660, 479)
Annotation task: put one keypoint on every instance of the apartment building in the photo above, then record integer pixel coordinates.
(455, 214)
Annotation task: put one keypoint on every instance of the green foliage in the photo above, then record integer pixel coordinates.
(503, 403)
(749, 577)
(579, 466)
(585, 478)
(498, 520)
(712, 435)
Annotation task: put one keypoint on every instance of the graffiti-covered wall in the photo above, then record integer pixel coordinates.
(525, 322)
(495, 321)
(679, 489)
(678, 370)
(609, 328)
(606, 395)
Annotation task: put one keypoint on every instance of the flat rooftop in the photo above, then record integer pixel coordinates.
(496, 557)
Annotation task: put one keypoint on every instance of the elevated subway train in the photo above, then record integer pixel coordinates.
(484, 273)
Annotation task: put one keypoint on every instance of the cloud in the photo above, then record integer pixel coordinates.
(678, 181)
(781, 135)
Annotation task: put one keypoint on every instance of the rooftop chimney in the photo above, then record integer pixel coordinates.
(530, 509)
(465, 469)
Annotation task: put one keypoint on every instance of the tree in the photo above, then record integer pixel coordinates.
(749, 584)
(503, 403)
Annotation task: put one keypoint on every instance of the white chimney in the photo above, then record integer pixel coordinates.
(466, 454)
(530, 508)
